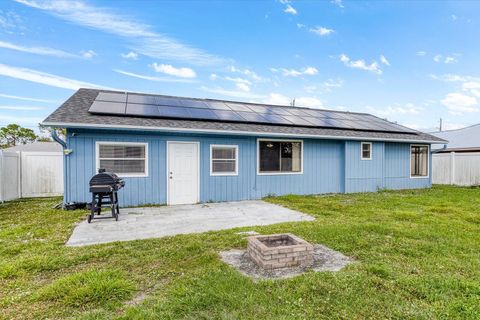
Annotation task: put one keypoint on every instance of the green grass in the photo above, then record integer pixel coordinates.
(417, 253)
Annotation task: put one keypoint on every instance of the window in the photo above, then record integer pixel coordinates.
(127, 159)
(223, 160)
(366, 150)
(418, 161)
(279, 157)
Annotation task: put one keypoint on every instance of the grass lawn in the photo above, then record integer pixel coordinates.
(417, 252)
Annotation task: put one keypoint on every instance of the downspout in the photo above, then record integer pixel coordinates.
(55, 137)
(66, 152)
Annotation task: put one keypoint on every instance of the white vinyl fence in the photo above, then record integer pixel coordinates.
(461, 169)
(30, 174)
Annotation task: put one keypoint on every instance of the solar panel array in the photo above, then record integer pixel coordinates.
(133, 104)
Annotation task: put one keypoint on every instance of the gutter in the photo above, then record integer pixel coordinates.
(230, 132)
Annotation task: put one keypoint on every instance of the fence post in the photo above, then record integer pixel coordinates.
(1, 176)
(452, 167)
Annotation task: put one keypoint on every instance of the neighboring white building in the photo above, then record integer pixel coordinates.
(457, 162)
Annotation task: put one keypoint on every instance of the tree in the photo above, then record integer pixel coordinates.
(13, 135)
(62, 133)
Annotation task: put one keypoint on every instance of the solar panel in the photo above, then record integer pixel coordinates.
(202, 114)
(174, 112)
(238, 107)
(141, 99)
(193, 104)
(145, 105)
(107, 107)
(217, 105)
(145, 110)
(112, 97)
(227, 115)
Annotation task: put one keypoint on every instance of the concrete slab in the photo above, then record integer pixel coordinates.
(157, 222)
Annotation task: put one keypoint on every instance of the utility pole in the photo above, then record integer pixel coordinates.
(293, 102)
(440, 126)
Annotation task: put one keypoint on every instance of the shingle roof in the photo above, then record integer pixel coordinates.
(74, 113)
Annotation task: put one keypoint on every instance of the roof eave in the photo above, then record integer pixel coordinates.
(231, 132)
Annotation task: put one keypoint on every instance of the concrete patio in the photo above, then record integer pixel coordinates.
(157, 222)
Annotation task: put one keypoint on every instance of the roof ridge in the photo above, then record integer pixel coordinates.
(458, 129)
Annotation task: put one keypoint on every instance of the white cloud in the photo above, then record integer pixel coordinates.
(473, 87)
(301, 26)
(232, 93)
(242, 86)
(308, 71)
(20, 108)
(38, 50)
(213, 76)
(360, 64)
(309, 102)
(239, 80)
(395, 110)
(89, 54)
(289, 9)
(437, 58)
(45, 78)
(384, 60)
(142, 36)
(8, 96)
(448, 77)
(249, 73)
(338, 3)
(459, 103)
(450, 60)
(182, 72)
(21, 119)
(150, 78)
(321, 31)
(130, 55)
(331, 83)
(280, 99)
(421, 53)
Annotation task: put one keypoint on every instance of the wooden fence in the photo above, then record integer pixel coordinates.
(461, 169)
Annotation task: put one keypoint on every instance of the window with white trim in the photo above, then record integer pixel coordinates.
(124, 159)
(223, 160)
(366, 150)
(280, 156)
(418, 161)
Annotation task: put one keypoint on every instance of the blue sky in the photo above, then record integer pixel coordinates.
(409, 62)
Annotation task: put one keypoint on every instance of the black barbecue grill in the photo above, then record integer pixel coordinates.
(104, 187)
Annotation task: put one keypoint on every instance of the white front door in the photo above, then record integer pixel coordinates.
(183, 172)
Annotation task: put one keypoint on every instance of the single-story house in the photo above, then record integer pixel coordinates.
(174, 150)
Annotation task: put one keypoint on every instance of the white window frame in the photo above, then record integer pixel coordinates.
(361, 150)
(236, 160)
(410, 161)
(278, 173)
(126, 175)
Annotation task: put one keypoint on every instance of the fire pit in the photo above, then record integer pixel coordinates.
(279, 251)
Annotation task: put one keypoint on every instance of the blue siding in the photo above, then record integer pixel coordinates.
(330, 166)
(364, 175)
